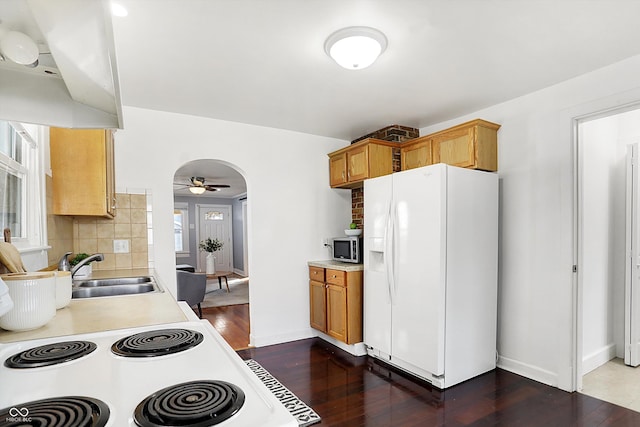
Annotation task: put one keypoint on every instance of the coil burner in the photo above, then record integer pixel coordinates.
(195, 403)
(157, 343)
(50, 354)
(77, 411)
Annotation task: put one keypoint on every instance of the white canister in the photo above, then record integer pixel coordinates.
(34, 300)
(63, 289)
(6, 303)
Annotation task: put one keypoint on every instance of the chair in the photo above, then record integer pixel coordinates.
(191, 288)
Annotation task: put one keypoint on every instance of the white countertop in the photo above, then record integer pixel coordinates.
(85, 315)
(336, 265)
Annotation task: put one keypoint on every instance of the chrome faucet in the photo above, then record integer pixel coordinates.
(87, 260)
(63, 264)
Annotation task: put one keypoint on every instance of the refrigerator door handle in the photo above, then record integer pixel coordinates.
(388, 263)
(394, 251)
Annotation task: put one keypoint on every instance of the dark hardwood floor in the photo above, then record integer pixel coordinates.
(358, 391)
(232, 322)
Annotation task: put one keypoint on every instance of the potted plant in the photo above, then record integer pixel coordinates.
(210, 245)
(83, 271)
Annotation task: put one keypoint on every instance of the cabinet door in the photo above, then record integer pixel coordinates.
(337, 312)
(338, 170)
(358, 163)
(82, 171)
(111, 174)
(318, 304)
(417, 155)
(456, 148)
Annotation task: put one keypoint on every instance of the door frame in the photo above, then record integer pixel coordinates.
(245, 238)
(578, 237)
(199, 206)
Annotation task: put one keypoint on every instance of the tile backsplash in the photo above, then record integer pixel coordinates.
(93, 234)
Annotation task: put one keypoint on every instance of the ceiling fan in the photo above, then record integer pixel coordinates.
(198, 186)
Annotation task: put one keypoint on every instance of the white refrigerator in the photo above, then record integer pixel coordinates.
(430, 271)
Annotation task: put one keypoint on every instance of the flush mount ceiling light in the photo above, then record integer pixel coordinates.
(355, 48)
(18, 47)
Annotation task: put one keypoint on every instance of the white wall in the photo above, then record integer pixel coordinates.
(602, 215)
(536, 165)
(291, 207)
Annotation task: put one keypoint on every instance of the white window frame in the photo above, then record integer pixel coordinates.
(33, 221)
(184, 209)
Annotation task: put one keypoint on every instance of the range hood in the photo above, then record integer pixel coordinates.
(75, 83)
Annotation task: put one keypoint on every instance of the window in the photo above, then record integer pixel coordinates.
(21, 190)
(181, 228)
(214, 216)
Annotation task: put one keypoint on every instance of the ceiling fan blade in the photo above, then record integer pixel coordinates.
(216, 186)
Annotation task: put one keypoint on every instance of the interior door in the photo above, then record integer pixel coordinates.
(214, 221)
(632, 270)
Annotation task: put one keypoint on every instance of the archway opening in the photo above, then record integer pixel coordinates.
(210, 206)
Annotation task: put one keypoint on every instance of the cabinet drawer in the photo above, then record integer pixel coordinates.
(336, 277)
(316, 273)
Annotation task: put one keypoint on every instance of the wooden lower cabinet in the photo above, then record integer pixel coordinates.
(336, 303)
(318, 296)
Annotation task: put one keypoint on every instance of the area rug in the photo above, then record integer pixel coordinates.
(238, 292)
(300, 410)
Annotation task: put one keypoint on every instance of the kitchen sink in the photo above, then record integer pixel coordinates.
(113, 281)
(113, 286)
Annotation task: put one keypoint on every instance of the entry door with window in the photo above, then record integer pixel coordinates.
(214, 221)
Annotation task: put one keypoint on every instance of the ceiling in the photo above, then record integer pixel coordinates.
(263, 62)
(214, 172)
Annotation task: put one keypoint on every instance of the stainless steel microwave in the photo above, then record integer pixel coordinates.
(347, 249)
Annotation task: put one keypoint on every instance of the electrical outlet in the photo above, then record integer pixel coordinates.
(325, 241)
(121, 246)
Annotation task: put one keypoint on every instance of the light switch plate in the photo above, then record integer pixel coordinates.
(121, 246)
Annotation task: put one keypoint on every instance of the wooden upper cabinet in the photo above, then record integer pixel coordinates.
(416, 153)
(82, 169)
(338, 170)
(369, 158)
(470, 145)
(358, 163)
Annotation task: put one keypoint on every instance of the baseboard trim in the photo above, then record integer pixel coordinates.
(358, 349)
(529, 371)
(263, 341)
(598, 358)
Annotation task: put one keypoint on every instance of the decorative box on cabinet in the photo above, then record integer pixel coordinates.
(416, 153)
(471, 145)
(369, 158)
(82, 169)
(336, 303)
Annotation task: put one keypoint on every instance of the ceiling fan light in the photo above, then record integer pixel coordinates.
(197, 190)
(19, 48)
(355, 48)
